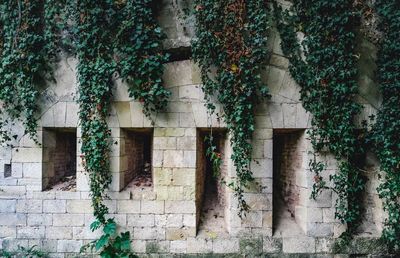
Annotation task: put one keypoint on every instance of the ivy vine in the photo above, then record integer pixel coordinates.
(385, 133)
(137, 58)
(141, 62)
(25, 62)
(231, 40)
(32, 34)
(324, 64)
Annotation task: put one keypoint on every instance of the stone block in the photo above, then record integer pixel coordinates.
(189, 92)
(26, 155)
(32, 170)
(54, 206)
(157, 247)
(12, 219)
(319, 229)
(184, 207)
(7, 232)
(29, 206)
(298, 245)
(72, 116)
(86, 233)
(162, 176)
(69, 246)
(290, 115)
(251, 247)
(184, 176)
(147, 233)
(164, 143)
(189, 220)
(167, 120)
(186, 143)
(143, 220)
(199, 245)
(60, 110)
(186, 120)
(253, 219)
(40, 219)
(272, 245)
(59, 232)
(225, 246)
(178, 246)
(79, 206)
(123, 110)
(189, 159)
(8, 205)
(177, 74)
(33, 232)
(173, 158)
(128, 206)
(180, 233)
(68, 219)
(174, 220)
(152, 207)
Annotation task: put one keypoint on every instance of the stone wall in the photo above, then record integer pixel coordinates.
(163, 218)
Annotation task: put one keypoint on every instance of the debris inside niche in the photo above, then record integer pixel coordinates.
(67, 183)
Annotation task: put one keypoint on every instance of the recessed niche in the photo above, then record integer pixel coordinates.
(59, 159)
(7, 170)
(288, 156)
(137, 156)
(211, 197)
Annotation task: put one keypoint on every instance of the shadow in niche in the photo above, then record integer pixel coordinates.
(137, 153)
(59, 159)
(210, 193)
(287, 162)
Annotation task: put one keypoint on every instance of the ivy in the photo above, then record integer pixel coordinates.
(24, 63)
(385, 134)
(324, 65)
(141, 62)
(136, 57)
(230, 48)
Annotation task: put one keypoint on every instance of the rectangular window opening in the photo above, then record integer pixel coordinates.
(59, 159)
(7, 170)
(211, 196)
(288, 157)
(137, 154)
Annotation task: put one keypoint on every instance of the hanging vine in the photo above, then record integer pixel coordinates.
(324, 65)
(141, 61)
(25, 62)
(385, 133)
(136, 56)
(231, 38)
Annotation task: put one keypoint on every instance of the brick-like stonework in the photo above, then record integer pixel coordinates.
(164, 218)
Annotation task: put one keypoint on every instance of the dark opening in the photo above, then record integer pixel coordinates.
(7, 170)
(211, 192)
(138, 151)
(59, 146)
(179, 54)
(288, 154)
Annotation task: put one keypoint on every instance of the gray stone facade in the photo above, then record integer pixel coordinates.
(164, 218)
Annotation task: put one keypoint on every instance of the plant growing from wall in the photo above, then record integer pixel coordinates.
(324, 65)
(25, 61)
(230, 48)
(139, 62)
(385, 134)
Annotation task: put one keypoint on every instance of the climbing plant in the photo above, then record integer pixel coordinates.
(385, 133)
(25, 61)
(141, 60)
(319, 38)
(230, 48)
